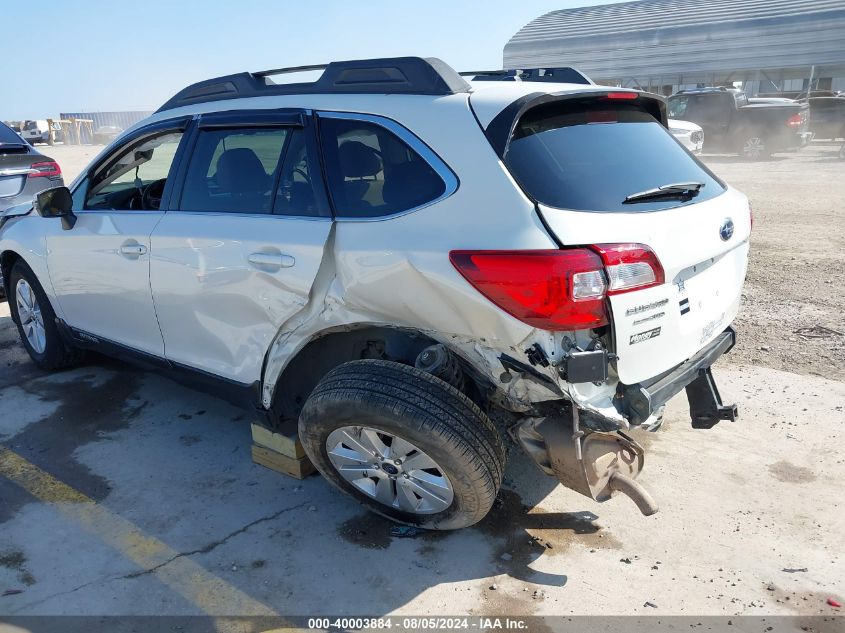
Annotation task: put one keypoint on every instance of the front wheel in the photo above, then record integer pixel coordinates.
(405, 444)
(36, 321)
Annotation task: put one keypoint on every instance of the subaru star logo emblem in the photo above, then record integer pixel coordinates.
(726, 230)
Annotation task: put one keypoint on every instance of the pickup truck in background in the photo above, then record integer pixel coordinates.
(734, 125)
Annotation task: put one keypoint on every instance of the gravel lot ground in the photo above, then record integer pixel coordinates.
(794, 313)
(175, 519)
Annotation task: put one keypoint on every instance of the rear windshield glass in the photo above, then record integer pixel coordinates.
(7, 135)
(592, 155)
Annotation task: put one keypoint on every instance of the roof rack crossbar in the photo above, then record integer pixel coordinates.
(389, 75)
(559, 74)
(291, 69)
(470, 73)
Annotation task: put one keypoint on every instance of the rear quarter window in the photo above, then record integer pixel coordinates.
(371, 172)
(9, 136)
(589, 155)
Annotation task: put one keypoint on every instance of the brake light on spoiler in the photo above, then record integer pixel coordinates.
(559, 289)
(623, 96)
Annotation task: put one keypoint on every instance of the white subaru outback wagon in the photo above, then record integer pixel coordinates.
(410, 267)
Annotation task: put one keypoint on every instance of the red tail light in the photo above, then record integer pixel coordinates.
(46, 169)
(795, 120)
(559, 289)
(622, 95)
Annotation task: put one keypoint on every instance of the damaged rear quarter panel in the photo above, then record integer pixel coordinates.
(396, 271)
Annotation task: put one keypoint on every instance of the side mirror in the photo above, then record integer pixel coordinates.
(56, 203)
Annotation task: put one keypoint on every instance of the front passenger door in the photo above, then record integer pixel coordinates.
(100, 268)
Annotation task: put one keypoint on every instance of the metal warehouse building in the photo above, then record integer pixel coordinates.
(772, 46)
(120, 120)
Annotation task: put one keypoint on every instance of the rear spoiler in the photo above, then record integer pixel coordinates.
(501, 128)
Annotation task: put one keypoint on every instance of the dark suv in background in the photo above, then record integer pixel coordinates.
(24, 172)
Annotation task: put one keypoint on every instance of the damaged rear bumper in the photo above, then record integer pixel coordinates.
(640, 401)
(598, 464)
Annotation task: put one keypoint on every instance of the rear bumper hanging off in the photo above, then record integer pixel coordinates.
(599, 464)
(706, 408)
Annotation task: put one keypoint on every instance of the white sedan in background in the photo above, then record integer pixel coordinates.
(689, 134)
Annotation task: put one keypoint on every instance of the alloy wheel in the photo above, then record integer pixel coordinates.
(31, 319)
(389, 469)
(754, 147)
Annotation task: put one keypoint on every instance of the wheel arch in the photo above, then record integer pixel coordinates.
(8, 259)
(329, 348)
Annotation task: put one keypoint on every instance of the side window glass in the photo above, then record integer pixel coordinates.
(79, 195)
(677, 107)
(234, 170)
(135, 179)
(295, 193)
(372, 172)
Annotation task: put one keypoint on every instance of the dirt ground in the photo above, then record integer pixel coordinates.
(124, 493)
(793, 317)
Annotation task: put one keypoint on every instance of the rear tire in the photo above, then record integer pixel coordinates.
(366, 404)
(36, 321)
(754, 147)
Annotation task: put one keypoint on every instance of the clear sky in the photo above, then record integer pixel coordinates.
(134, 54)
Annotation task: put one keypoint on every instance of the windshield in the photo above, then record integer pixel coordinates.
(592, 155)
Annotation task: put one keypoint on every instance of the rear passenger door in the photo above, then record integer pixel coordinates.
(238, 252)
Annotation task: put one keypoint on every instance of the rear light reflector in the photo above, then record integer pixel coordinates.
(622, 95)
(630, 267)
(47, 169)
(795, 120)
(588, 285)
(547, 289)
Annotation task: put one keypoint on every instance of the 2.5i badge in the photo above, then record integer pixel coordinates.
(644, 336)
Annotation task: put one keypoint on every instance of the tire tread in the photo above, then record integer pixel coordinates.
(427, 402)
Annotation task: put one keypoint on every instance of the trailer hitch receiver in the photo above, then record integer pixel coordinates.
(705, 404)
